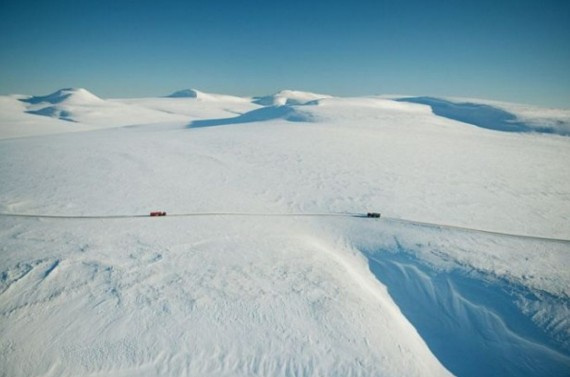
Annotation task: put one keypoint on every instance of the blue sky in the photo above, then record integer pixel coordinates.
(509, 50)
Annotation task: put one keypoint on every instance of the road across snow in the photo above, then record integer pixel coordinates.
(278, 296)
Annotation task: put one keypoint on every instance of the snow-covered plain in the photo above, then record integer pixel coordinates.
(279, 295)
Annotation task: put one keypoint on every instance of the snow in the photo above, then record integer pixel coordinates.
(497, 115)
(67, 95)
(289, 97)
(534, 115)
(279, 296)
(15, 122)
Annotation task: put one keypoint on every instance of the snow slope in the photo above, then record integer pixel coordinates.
(70, 110)
(283, 296)
(16, 122)
(500, 116)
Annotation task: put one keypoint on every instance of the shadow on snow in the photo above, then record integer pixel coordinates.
(471, 325)
(484, 116)
(284, 112)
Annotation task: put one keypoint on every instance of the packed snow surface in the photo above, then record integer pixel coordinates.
(253, 294)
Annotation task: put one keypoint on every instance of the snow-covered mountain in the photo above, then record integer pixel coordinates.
(278, 272)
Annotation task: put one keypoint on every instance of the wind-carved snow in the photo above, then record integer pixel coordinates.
(460, 314)
(496, 115)
(245, 296)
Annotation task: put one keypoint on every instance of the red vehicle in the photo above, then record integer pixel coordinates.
(157, 213)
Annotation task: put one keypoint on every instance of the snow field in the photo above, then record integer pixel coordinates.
(174, 297)
(242, 296)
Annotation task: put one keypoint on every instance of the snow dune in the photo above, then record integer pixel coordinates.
(258, 296)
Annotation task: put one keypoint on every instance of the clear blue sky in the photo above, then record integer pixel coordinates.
(515, 50)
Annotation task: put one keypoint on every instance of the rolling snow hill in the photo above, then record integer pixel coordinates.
(274, 270)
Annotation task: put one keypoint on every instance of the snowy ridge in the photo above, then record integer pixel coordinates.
(499, 116)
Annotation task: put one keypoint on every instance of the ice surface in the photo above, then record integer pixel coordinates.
(279, 296)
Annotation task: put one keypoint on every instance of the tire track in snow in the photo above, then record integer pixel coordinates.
(261, 214)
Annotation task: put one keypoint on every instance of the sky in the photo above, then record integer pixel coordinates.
(517, 51)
